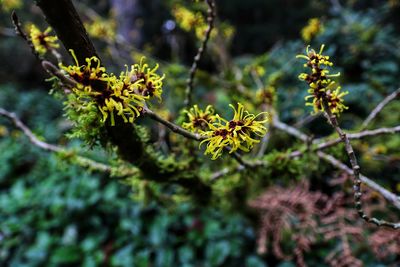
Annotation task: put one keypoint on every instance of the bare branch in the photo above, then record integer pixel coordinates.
(173, 127)
(210, 19)
(83, 161)
(54, 71)
(289, 129)
(379, 107)
(20, 32)
(360, 135)
(391, 197)
(356, 170)
(69, 27)
(225, 171)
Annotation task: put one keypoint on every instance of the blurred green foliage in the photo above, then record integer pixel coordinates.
(56, 214)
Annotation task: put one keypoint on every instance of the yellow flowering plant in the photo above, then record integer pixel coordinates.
(102, 28)
(234, 134)
(320, 83)
(105, 107)
(312, 29)
(124, 96)
(8, 5)
(42, 41)
(199, 120)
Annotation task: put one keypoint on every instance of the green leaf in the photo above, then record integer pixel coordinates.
(67, 254)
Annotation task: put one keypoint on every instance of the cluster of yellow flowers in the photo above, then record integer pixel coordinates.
(199, 119)
(124, 96)
(320, 85)
(102, 28)
(188, 20)
(219, 133)
(8, 5)
(42, 41)
(313, 28)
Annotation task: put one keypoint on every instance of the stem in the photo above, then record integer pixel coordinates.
(83, 161)
(389, 196)
(64, 19)
(392, 198)
(360, 135)
(173, 127)
(356, 170)
(379, 107)
(210, 19)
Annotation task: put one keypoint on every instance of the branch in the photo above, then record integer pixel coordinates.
(395, 200)
(360, 135)
(356, 170)
(391, 197)
(276, 123)
(376, 132)
(210, 19)
(179, 130)
(173, 127)
(54, 71)
(379, 107)
(65, 21)
(225, 171)
(83, 161)
(20, 32)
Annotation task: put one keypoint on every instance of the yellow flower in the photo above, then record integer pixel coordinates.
(102, 29)
(321, 86)
(199, 119)
(237, 133)
(113, 96)
(42, 41)
(120, 96)
(335, 100)
(87, 74)
(148, 81)
(186, 19)
(8, 5)
(313, 28)
(190, 21)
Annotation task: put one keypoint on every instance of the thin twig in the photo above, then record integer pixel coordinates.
(20, 32)
(263, 144)
(53, 70)
(276, 123)
(210, 19)
(225, 171)
(8, 32)
(391, 197)
(173, 127)
(379, 107)
(83, 161)
(360, 135)
(323, 145)
(305, 120)
(179, 130)
(356, 170)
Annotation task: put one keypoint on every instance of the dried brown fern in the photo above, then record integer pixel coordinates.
(307, 217)
(287, 210)
(339, 222)
(385, 242)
